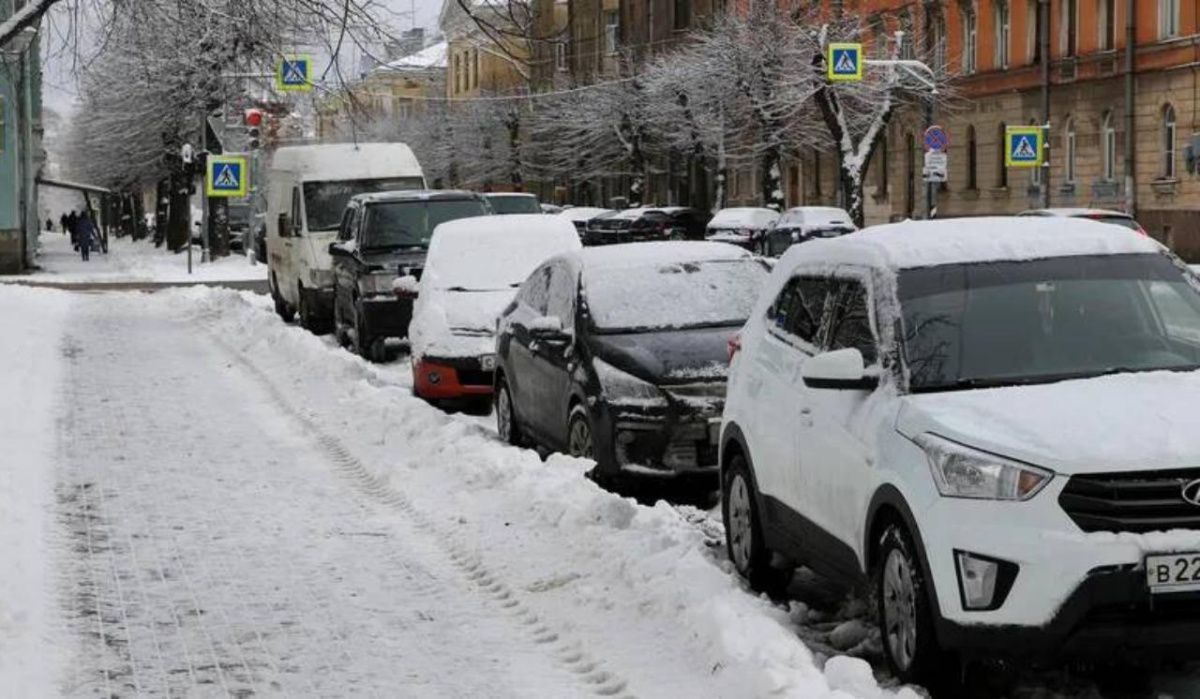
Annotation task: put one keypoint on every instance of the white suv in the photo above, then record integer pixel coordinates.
(985, 422)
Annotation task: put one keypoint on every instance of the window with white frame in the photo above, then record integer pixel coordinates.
(1033, 23)
(1003, 32)
(560, 55)
(612, 31)
(1069, 140)
(1108, 142)
(908, 46)
(970, 41)
(1069, 28)
(938, 27)
(1168, 18)
(1168, 142)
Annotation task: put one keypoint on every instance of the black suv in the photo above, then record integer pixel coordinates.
(619, 354)
(646, 224)
(384, 237)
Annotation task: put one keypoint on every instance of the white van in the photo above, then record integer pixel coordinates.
(308, 188)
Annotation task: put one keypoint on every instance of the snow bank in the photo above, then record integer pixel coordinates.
(640, 587)
(28, 434)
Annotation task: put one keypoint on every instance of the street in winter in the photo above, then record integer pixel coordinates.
(617, 348)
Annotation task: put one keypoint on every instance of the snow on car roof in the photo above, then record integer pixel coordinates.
(958, 241)
(414, 194)
(493, 252)
(817, 215)
(509, 194)
(329, 162)
(637, 254)
(583, 213)
(750, 216)
(1073, 212)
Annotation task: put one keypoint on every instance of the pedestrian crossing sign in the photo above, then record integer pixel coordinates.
(294, 74)
(1024, 146)
(226, 177)
(844, 62)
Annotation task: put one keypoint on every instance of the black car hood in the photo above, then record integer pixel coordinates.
(393, 259)
(667, 357)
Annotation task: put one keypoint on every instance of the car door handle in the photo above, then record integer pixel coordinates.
(806, 417)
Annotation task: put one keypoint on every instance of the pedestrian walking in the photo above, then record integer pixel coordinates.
(62, 220)
(49, 225)
(73, 228)
(86, 235)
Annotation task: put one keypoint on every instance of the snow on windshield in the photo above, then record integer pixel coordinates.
(490, 253)
(680, 294)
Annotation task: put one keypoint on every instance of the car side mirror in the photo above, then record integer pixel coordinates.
(285, 226)
(549, 329)
(338, 250)
(839, 370)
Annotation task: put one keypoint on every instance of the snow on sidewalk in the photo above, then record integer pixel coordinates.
(639, 591)
(30, 344)
(132, 261)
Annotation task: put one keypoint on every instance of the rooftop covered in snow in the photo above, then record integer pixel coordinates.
(432, 56)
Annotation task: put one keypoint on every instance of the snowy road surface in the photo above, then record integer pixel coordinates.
(217, 504)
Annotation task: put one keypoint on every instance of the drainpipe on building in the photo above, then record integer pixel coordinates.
(1044, 44)
(1130, 120)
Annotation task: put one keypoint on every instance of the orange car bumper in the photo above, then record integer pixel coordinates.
(439, 380)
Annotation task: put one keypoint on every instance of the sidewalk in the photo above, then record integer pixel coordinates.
(131, 263)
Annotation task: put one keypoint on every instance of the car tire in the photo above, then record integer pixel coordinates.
(905, 618)
(285, 312)
(581, 441)
(744, 541)
(308, 317)
(507, 425)
(339, 323)
(364, 344)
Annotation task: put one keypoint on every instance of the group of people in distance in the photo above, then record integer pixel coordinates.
(85, 237)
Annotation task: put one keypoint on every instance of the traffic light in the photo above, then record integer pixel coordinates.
(254, 120)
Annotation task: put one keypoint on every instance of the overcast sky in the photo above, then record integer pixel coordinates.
(59, 71)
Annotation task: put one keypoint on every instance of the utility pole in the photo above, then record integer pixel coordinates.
(1130, 120)
(1044, 45)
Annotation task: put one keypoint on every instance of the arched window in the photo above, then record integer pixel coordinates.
(972, 160)
(1001, 168)
(1069, 147)
(1168, 141)
(1108, 146)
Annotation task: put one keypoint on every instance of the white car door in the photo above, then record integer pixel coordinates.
(833, 444)
(783, 410)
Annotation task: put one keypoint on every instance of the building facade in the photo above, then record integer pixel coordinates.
(21, 154)
(389, 93)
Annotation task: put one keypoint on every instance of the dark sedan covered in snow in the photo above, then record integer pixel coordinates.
(620, 354)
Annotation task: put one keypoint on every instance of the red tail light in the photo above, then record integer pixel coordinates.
(735, 346)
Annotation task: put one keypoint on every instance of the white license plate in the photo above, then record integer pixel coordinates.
(488, 362)
(1173, 572)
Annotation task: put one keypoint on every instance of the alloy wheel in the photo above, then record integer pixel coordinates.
(579, 442)
(741, 533)
(899, 609)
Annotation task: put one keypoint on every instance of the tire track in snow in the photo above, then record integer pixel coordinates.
(592, 674)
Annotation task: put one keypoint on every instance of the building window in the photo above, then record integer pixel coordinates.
(937, 26)
(907, 51)
(1069, 39)
(612, 31)
(1106, 21)
(1001, 168)
(970, 41)
(1168, 142)
(910, 175)
(879, 36)
(1003, 33)
(1108, 136)
(1070, 148)
(1168, 18)
(458, 73)
(683, 14)
(560, 55)
(475, 68)
(1033, 31)
(972, 160)
(880, 163)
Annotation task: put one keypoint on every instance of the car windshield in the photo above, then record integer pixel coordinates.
(397, 224)
(324, 202)
(514, 205)
(1014, 323)
(673, 295)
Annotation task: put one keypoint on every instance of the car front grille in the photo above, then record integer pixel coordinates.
(474, 377)
(1138, 501)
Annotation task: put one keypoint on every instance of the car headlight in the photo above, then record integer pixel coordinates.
(962, 472)
(376, 283)
(625, 390)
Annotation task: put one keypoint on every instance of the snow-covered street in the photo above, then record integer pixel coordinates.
(215, 503)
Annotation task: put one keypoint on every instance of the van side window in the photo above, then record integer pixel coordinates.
(296, 209)
(850, 321)
(800, 308)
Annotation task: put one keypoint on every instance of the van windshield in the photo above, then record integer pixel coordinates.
(397, 224)
(1039, 321)
(325, 202)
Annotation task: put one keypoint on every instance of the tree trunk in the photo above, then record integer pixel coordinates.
(515, 176)
(852, 194)
(180, 214)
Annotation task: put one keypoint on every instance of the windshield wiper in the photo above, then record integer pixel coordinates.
(999, 382)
